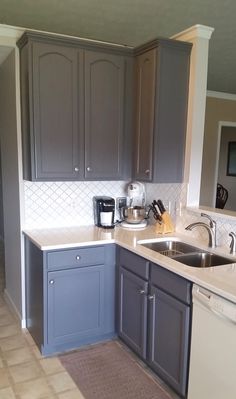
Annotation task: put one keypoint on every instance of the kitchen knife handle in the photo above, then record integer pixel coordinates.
(155, 204)
(161, 206)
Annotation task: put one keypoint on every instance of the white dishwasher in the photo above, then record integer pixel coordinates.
(212, 373)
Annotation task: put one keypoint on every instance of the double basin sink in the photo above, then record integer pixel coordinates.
(186, 253)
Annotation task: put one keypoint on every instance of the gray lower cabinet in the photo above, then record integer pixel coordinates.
(161, 79)
(70, 296)
(168, 350)
(133, 311)
(154, 317)
(75, 103)
(76, 304)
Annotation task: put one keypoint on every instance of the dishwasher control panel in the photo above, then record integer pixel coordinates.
(222, 307)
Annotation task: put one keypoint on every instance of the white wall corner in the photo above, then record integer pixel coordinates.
(199, 36)
(13, 308)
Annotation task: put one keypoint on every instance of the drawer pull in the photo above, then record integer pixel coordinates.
(147, 171)
(76, 169)
(51, 282)
(77, 257)
(151, 297)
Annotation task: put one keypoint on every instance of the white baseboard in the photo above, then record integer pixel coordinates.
(13, 308)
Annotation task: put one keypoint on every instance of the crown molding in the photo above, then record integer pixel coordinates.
(195, 31)
(11, 32)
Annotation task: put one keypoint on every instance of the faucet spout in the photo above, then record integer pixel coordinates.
(233, 243)
(211, 233)
(212, 224)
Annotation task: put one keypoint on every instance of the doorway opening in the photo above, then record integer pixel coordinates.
(225, 179)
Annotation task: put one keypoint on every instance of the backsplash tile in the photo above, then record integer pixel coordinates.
(54, 204)
(58, 204)
(172, 195)
(224, 226)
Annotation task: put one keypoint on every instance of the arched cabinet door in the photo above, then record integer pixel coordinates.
(57, 107)
(104, 115)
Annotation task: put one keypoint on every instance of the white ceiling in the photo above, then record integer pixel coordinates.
(133, 22)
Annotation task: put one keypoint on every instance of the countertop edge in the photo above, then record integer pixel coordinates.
(216, 279)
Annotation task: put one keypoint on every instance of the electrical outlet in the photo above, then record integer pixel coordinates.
(121, 202)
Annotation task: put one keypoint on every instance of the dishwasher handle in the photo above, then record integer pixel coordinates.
(219, 306)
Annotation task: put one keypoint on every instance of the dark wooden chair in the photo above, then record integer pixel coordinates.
(221, 196)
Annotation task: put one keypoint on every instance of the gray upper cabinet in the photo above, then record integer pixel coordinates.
(75, 101)
(145, 96)
(52, 111)
(162, 76)
(56, 109)
(77, 109)
(104, 115)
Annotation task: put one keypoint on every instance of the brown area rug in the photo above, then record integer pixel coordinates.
(108, 371)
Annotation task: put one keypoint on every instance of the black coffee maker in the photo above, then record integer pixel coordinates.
(104, 212)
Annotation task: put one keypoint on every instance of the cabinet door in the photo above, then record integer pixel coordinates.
(104, 115)
(145, 97)
(57, 96)
(133, 311)
(75, 304)
(168, 349)
(171, 111)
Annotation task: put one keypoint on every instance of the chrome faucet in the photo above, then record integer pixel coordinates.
(211, 229)
(233, 243)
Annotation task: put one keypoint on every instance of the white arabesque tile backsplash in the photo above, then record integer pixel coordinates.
(54, 204)
(59, 204)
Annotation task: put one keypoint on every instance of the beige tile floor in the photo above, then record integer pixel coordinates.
(24, 373)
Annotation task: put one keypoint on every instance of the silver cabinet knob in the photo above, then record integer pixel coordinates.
(76, 169)
(51, 282)
(77, 257)
(147, 171)
(89, 169)
(151, 297)
(142, 292)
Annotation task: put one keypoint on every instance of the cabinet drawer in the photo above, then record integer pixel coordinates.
(134, 263)
(76, 257)
(171, 283)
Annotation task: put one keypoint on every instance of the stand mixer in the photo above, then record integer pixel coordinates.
(134, 215)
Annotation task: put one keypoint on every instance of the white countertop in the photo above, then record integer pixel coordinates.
(219, 279)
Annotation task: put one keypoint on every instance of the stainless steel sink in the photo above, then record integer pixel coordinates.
(202, 259)
(170, 248)
(186, 253)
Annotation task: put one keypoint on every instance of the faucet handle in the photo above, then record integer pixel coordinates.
(233, 242)
(212, 222)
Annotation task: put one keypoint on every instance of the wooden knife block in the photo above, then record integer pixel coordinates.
(166, 226)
